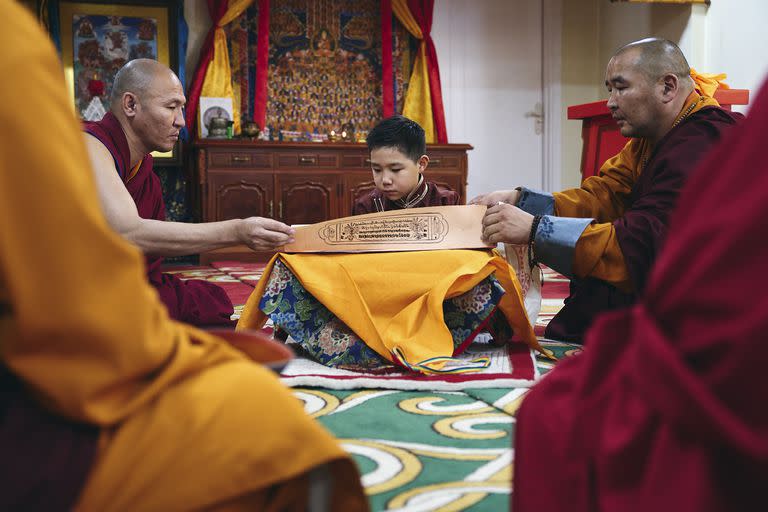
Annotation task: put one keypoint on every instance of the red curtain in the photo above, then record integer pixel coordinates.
(262, 62)
(387, 78)
(216, 9)
(422, 13)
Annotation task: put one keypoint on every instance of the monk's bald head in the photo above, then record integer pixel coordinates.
(138, 77)
(655, 57)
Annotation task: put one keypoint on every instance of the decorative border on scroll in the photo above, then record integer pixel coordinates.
(397, 228)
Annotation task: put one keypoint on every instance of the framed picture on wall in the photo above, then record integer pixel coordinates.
(98, 38)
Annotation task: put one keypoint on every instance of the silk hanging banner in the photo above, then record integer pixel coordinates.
(417, 229)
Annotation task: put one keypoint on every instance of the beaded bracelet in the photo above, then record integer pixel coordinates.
(532, 240)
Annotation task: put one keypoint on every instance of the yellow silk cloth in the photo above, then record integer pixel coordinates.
(218, 76)
(395, 300)
(187, 421)
(605, 197)
(708, 83)
(418, 99)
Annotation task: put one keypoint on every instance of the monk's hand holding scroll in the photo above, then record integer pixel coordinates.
(506, 223)
(500, 196)
(262, 234)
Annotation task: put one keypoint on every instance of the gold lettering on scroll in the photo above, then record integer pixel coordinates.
(400, 228)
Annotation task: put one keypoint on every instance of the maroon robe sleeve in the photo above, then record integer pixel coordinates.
(662, 409)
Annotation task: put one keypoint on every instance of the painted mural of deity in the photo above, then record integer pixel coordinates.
(102, 45)
(324, 65)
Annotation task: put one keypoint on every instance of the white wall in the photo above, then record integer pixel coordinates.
(490, 78)
(582, 79)
(727, 37)
(737, 42)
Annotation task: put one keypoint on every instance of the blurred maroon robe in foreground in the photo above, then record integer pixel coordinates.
(664, 409)
(195, 302)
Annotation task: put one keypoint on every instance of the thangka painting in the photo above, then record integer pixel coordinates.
(324, 66)
(97, 40)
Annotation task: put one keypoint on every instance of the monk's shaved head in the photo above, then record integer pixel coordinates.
(137, 77)
(655, 57)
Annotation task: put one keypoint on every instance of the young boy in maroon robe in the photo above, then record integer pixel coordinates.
(398, 159)
(663, 409)
(146, 114)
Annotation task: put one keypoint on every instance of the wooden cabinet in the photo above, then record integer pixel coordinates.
(298, 183)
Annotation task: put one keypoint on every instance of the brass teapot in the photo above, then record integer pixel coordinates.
(218, 127)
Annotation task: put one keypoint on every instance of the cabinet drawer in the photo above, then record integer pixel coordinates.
(240, 159)
(307, 160)
(438, 161)
(357, 161)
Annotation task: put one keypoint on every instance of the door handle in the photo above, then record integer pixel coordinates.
(280, 209)
(435, 161)
(307, 160)
(271, 209)
(538, 114)
(241, 159)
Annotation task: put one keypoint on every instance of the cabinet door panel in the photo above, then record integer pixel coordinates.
(240, 195)
(306, 199)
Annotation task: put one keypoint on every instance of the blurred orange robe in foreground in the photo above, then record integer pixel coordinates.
(186, 422)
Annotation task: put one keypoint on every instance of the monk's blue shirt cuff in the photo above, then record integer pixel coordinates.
(536, 202)
(555, 242)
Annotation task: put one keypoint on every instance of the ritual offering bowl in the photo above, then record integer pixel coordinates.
(250, 129)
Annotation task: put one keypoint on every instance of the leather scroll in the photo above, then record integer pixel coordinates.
(417, 229)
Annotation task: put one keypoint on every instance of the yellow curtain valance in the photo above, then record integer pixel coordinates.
(418, 99)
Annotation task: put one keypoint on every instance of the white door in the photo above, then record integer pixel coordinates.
(490, 57)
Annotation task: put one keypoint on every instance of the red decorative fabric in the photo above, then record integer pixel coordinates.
(422, 13)
(217, 9)
(387, 77)
(262, 65)
(195, 302)
(661, 411)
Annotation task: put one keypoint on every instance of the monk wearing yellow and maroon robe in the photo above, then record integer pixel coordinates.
(664, 409)
(606, 234)
(146, 114)
(193, 301)
(105, 403)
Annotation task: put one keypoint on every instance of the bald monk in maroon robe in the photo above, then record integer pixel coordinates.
(664, 409)
(606, 234)
(146, 114)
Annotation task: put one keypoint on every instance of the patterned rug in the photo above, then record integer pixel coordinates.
(419, 451)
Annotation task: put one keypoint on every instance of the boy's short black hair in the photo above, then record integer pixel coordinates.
(401, 133)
